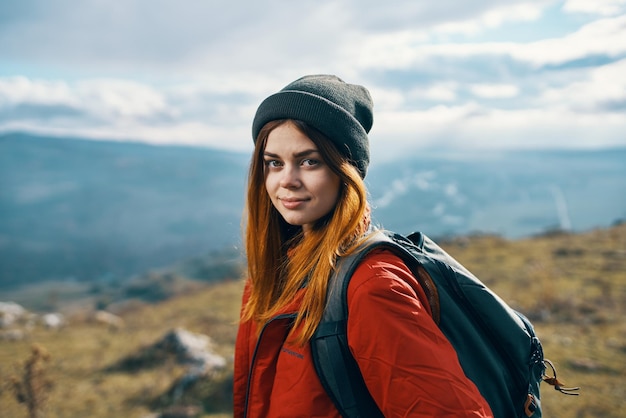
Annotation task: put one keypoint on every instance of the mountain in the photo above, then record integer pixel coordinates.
(95, 209)
(101, 210)
(513, 194)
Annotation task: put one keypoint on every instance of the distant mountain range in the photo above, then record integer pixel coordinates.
(513, 193)
(97, 210)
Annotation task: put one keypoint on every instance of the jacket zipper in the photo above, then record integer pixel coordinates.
(254, 355)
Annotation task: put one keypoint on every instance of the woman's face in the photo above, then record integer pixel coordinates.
(300, 184)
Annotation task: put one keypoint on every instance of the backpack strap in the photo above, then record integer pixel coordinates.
(338, 371)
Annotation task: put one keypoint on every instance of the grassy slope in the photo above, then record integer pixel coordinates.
(81, 352)
(574, 289)
(572, 286)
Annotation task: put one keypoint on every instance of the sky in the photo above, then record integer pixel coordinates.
(447, 74)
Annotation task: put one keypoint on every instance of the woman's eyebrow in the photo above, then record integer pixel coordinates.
(296, 155)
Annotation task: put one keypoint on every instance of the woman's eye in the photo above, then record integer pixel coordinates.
(310, 162)
(272, 163)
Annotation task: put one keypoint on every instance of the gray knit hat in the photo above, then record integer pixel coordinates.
(341, 111)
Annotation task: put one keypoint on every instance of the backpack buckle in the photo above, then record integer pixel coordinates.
(531, 405)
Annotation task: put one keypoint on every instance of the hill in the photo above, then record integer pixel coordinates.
(514, 194)
(98, 210)
(573, 287)
(101, 211)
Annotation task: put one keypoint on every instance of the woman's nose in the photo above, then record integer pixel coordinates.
(290, 177)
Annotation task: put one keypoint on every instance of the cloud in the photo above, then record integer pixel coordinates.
(105, 100)
(604, 37)
(586, 109)
(600, 7)
(446, 73)
(202, 36)
(133, 32)
(602, 87)
(493, 18)
(494, 91)
(116, 109)
(446, 16)
(447, 194)
(16, 90)
(422, 180)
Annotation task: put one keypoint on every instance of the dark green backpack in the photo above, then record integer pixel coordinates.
(496, 345)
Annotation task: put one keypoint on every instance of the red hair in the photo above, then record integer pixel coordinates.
(275, 276)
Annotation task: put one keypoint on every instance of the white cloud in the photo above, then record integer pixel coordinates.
(423, 126)
(397, 188)
(386, 98)
(494, 91)
(377, 16)
(602, 89)
(117, 109)
(181, 133)
(493, 18)
(110, 98)
(473, 126)
(163, 73)
(439, 209)
(539, 128)
(438, 92)
(601, 37)
(423, 180)
(600, 7)
(18, 90)
(101, 98)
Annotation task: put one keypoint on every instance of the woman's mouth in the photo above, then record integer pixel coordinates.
(291, 203)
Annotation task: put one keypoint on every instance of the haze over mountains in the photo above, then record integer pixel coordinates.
(91, 210)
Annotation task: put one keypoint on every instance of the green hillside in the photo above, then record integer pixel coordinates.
(573, 287)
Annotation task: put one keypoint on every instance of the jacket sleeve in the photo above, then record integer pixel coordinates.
(242, 363)
(409, 366)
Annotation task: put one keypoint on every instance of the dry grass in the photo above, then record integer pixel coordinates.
(80, 353)
(572, 286)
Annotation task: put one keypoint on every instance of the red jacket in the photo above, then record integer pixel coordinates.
(410, 368)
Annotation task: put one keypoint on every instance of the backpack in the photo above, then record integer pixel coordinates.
(496, 345)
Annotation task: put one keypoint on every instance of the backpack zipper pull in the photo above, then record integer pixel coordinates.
(556, 383)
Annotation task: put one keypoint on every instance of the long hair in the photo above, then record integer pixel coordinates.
(276, 274)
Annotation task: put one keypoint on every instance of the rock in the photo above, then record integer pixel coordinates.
(195, 350)
(112, 321)
(10, 313)
(12, 335)
(53, 320)
(181, 411)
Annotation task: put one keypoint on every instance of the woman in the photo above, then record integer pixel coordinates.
(306, 206)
